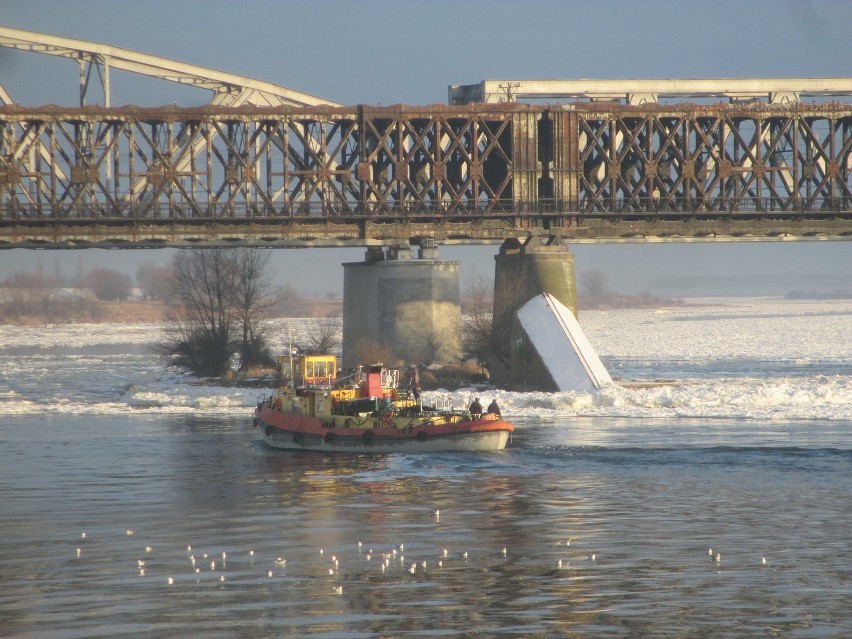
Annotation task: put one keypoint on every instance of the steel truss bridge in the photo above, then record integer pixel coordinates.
(293, 172)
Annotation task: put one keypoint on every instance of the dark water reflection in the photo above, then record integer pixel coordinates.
(647, 512)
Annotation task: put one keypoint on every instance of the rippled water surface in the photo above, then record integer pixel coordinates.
(648, 514)
(596, 521)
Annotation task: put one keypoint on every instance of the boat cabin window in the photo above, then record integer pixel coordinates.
(317, 369)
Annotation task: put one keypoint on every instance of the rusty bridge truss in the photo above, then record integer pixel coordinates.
(292, 176)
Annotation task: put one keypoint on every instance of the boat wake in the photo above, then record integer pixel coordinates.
(802, 398)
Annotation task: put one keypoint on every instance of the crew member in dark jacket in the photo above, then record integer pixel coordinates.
(494, 408)
(475, 409)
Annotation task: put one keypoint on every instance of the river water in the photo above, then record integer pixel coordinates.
(596, 521)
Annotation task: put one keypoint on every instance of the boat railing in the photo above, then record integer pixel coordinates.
(444, 405)
(390, 378)
(319, 382)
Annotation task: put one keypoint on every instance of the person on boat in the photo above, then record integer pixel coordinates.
(414, 383)
(475, 409)
(493, 408)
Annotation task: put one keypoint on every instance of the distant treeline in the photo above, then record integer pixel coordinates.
(106, 295)
(614, 301)
(85, 296)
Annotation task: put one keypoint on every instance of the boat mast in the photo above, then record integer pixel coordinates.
(290, 353)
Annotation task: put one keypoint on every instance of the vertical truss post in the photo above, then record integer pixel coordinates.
(565, 163)
(105, 82)
(526, 168)
(81, 61)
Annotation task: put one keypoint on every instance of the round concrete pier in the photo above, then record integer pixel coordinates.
(524, 269)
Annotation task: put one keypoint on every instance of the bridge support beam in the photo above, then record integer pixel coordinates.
(524, 269)
(401, 309)
(526, 163)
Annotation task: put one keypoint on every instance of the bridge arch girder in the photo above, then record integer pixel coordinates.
(229, 89)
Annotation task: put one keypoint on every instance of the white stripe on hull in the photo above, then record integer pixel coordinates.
(481, 441)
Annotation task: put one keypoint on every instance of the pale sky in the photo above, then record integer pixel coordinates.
(391, 52)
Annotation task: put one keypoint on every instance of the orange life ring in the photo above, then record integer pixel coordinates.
(276, 404)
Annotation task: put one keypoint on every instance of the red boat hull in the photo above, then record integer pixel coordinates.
(298, 432)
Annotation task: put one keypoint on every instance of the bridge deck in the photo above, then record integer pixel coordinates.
(288, 176)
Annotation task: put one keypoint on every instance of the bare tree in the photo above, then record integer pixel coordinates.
(324, 336)
(477, 319)
(109, 285)
(220, 295)
(200, 337)
(155, 282)
(252, 301)
(490, 317)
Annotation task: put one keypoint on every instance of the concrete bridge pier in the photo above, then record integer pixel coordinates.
(524, 269)
(401, 308)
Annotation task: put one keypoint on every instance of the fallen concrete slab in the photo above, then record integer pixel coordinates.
(562, 345)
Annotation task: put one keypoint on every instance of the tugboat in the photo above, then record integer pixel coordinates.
(366, 412)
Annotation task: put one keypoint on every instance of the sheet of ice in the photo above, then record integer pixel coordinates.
(562, 345)
(738, 358)
(725, 328)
